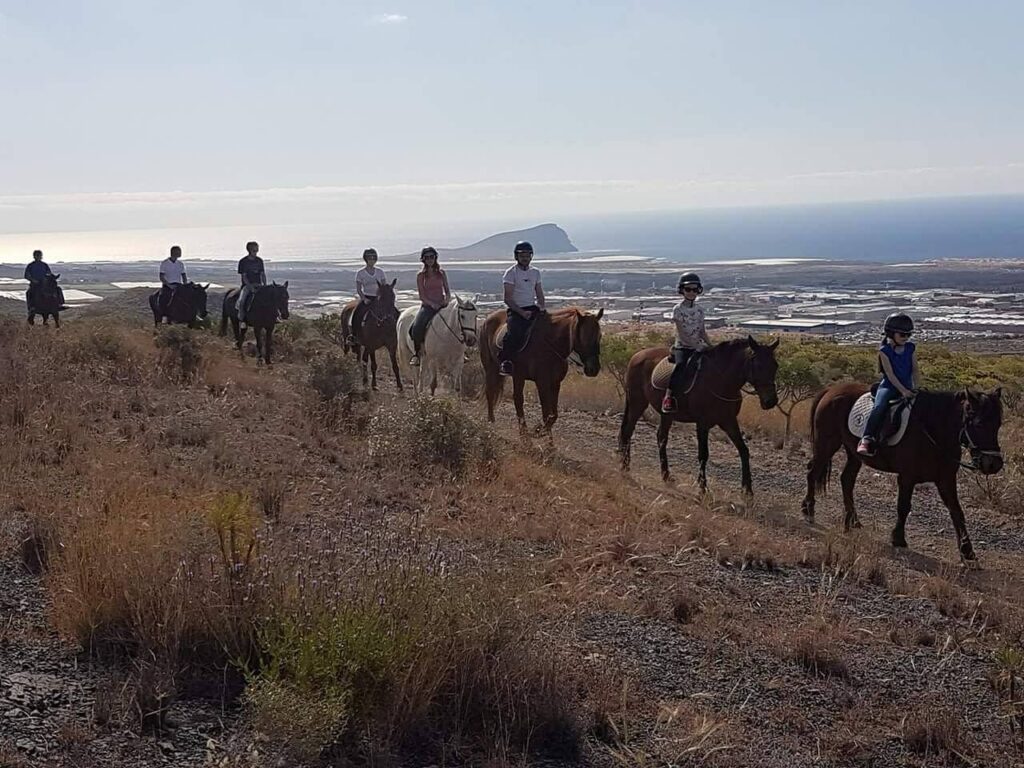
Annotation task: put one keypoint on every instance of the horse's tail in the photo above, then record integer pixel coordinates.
(494, 382)
(224, 317)
(821, 470)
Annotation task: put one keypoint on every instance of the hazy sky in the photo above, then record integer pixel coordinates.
(122, 113)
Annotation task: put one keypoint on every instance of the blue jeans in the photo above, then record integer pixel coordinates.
(883, 398)
(418, 332)
(243, 296)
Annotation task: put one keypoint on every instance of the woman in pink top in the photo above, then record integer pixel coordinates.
(432, 284)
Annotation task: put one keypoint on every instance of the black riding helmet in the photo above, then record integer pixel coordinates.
(898, 322)
(428, 251)
(523, 247)
(689, 279)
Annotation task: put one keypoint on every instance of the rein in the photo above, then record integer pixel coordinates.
(746, 370)
(966, 441)
(461, 336)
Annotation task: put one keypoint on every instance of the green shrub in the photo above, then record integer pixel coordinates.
(428, 432)
(333, 377)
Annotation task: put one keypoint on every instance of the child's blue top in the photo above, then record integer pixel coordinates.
(902, 364)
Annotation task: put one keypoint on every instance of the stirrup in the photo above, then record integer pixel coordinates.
(505, 369)
(414, 360)
(668, 404)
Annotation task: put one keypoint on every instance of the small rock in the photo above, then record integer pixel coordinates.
(25, 745)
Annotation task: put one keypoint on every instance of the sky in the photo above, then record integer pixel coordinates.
(143, 113)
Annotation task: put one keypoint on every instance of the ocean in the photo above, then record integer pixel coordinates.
(883, 231)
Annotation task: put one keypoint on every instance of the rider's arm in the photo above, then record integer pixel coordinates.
(163, 278)
(509, 289)
(915, 376)
(359, 288)
(539, 290)
(447, 291)
(263, 276)
(421, 287)
(184, 276)
(891, 375)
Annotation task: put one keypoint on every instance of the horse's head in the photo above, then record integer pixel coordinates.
(982, 417)
(199, 298)
(51, 282)
(587, 343)
(761, 369)
(385, 304)
(281, 299)
(467, 320)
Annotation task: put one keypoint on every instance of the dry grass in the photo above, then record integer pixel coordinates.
(816, 648)
(935, 731)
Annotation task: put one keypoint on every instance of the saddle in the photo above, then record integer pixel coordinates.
(661, 376)
(248, 299)
(499, 337)
(894, 426)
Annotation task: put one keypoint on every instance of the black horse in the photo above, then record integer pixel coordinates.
(45, 300)
(187, 304)
(269, 302)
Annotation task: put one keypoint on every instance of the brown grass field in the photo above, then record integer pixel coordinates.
(210, 563)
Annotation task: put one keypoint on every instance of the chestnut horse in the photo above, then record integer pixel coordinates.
(713, 401)
(941, 425)
(555, 337)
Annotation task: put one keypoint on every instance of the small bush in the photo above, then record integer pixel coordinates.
(430, 432)
(181, 355)
(813, 649)
(333, 377)
(934, 731)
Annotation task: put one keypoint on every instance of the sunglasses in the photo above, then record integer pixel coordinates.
(901, 333)
(689, 289)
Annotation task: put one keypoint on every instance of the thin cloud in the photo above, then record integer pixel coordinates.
(390, 18)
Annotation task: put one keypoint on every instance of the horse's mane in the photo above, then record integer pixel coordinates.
(729, 345)
(573, 311)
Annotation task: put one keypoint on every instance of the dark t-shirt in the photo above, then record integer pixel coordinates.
(36, 271)
(251, 270)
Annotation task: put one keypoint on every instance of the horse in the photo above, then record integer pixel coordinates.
(46, 301)
(187, 303)
(713, 400)
(378, 330)
(941, 424)
(269, 302)
(443, 353)
(553, 339)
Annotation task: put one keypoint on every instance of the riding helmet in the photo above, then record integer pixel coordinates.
(688, 279)
(898, 321)
(428, 251)
(523, 247)
(370, 252)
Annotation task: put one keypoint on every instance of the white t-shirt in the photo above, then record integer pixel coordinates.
(689, 326)
(173, 271)
(370, 283)
(524, 284)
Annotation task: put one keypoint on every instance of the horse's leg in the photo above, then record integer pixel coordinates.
(848, 478)
(905, 493)
(518, 385)
(702, 456)
(663, 429)
(56, 319)
(393, 353)
(260, 341)
(32, 318)
(547, 393)
(373, 369)
(268, 343)
(733, 431)
(493, 386)
(950, 497)
(631, 414)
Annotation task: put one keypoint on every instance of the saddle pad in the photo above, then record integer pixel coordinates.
(499, 337)
(662, 373)
(858, 418)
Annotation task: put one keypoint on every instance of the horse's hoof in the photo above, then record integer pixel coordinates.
(967, 553)
(666, 477)
(856, 523)
(899, 541)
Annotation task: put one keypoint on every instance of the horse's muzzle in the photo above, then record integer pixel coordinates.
(768, 402)
(591, 367)
(470, 340)
(988, 463)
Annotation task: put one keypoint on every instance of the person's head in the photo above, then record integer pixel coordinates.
(429, 258)
(523, 253)
(37, 255)
(899, 327)
(690, 286)
(370, 256)
(175, 252)
(252, 248)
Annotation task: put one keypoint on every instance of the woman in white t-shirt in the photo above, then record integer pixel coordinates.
(524, 298)
(368, 282)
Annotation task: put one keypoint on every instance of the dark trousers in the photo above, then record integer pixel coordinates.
(163, 301)
(883, 397)
(358, 314)
(418, 332)
(518, 327)
(681, 356)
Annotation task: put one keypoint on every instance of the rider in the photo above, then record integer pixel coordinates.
(900, 375)
(432, 284)
(250, 267)
(691, 335)
(368, 282)
(36, 273)
(172, 275)
(524, 297)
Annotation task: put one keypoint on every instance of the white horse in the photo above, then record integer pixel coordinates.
(450, 333)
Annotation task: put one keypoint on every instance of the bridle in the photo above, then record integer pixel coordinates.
(463, 328)
(968, 442)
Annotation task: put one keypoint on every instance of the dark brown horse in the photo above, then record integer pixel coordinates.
(941, 425)
(46, 301)
(187, 304)
(713, 401)
(269, 303)
(555, 337)
(378, 330)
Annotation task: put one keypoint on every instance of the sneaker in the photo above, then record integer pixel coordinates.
(241, 325)
(866, 447)
(506, 368)
(351, 340)
(668, 404)
(414, 360)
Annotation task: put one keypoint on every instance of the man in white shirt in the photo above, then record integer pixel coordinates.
(172, 275)
(369, 279)
(524, 298)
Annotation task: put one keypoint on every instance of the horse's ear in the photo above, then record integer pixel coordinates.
(969, 397)
(206, 287)
(476, 297)
(285, 283)
(600, 313)
(752, 342)
(774, 345)
(997, 393)
(394, 282)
